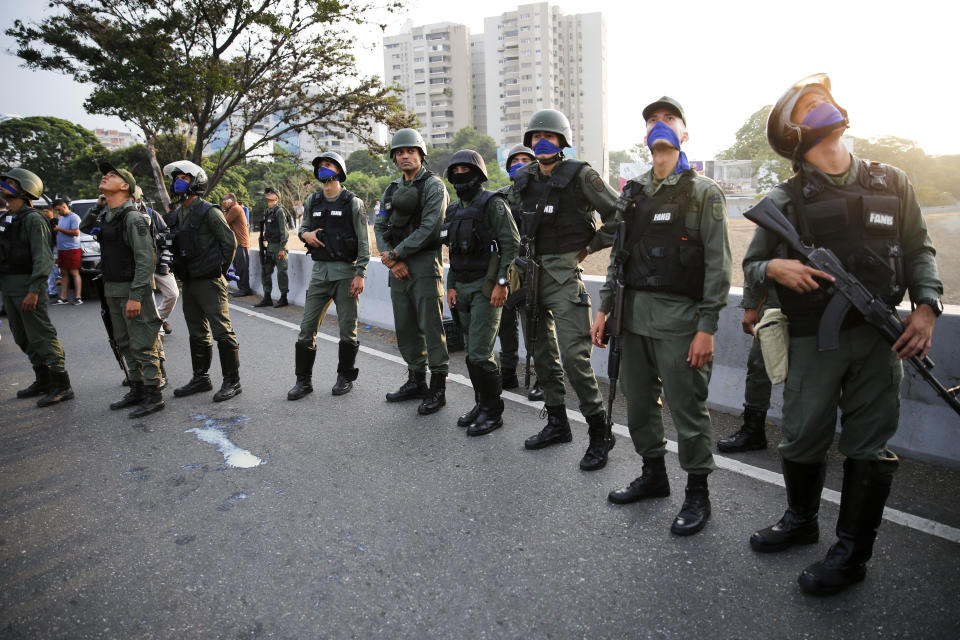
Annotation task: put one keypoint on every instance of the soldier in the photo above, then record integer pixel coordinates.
(334, 228)
(483, 241)
(273, 242)
(26, 258)
(559, 197)
(408, 237)
(513, 315)
(203, 246)
(867, 214)
(676, 266)
(128, 259)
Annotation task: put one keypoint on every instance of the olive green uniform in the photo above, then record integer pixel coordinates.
(137, 338)
(479, 319)
(417, 301)
(564, 305)
(32, 330)
(658, 328)
(330, 281)
(863, 376)
(205, 306)
(271, 255)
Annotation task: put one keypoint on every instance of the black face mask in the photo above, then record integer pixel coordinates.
(467, 185)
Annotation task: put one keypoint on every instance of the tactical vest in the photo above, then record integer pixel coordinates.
(270, 227)
(190, 260)
(336, 221)
(516, 205)
(860, 223)
(116, 257)
(562, 220)
(15, 256)
(659, 255)
(471, 243)
(401, 224)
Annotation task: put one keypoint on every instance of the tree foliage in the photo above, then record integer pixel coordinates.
(751, 144)
(216, 69)
(936, 179)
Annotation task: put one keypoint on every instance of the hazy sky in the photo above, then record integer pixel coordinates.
(893, 64)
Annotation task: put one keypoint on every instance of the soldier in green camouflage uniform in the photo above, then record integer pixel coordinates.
(26, 258)
(128, 260)
(408, 238)
(273, 251)
(334, 228)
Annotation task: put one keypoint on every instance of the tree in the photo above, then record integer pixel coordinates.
(63, 154)
(616, 158)
(216, 70)
(751, 144)
(936, 179)
(370, 162)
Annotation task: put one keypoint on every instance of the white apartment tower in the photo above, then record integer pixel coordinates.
(479, 81)
(537, 58)
(432, 66)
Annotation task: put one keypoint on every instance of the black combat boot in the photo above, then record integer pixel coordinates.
(414, 387)
(799, 523)
(303, 359)
(346, 371)
(282, 302)
(510, 380)
(696, 507)
(265, 301)
(134, 396)
(751, 436)
(152, 402)
(652, 483)
(556, 431)
(866, 485)
(490, 416)
(38, 387)
(601, 441)
(436, 396)
(536, 392)
(230, 368)
(470, 416)
(58, 391)
(201, 354)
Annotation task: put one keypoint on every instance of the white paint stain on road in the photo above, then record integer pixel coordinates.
(212, 432)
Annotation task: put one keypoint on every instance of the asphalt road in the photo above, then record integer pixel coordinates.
(365, 520)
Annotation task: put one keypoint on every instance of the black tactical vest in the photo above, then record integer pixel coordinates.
(190, 260)
(401, 225)
(270, 227)
(471, 243)
(860, 223)
(15, 256)
(336, 219)
(116, 261)
(563, 221)
(659, 254)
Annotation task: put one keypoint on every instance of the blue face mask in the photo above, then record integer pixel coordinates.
(180, 186)
(546, 148)
(9, 188)
(661, 131)
(326, 175)
(824, 114)
(516, 168)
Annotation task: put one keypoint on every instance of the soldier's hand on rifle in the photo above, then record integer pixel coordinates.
(596, 330)
(29, 301)
(133, 309)
(499, 295)
(356, 286)
(451, 298)
(795, 275)
(749, 320)
(311, 238)
(917, 335)
(701, 350)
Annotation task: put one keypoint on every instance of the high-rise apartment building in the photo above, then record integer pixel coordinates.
(479, 81)
(432, 65)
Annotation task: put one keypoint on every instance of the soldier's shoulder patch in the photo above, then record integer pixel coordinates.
(142, 228)
(717, 207)
(593, 179)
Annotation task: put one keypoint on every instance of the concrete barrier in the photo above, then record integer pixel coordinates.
(929, 429)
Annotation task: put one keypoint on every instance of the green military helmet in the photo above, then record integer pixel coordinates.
(518, 149)
(792, 140)
(551, 121)
(30, 183)
(407, 138)
(470, 158)
(334, 157)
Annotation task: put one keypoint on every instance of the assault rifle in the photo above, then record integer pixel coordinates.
(846, 292)
(613, 327)
(108, 324)
(530, 268)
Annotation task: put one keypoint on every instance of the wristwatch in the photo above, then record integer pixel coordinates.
(933, 303)
(502, 282)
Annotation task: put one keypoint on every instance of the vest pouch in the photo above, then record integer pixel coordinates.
(339, 246)
(405, 200)
(881, 215)
(827, 218)
(463, 238)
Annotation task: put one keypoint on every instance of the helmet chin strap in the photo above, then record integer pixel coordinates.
(812, 137)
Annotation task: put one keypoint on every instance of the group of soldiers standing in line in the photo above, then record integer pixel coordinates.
(668, 280)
